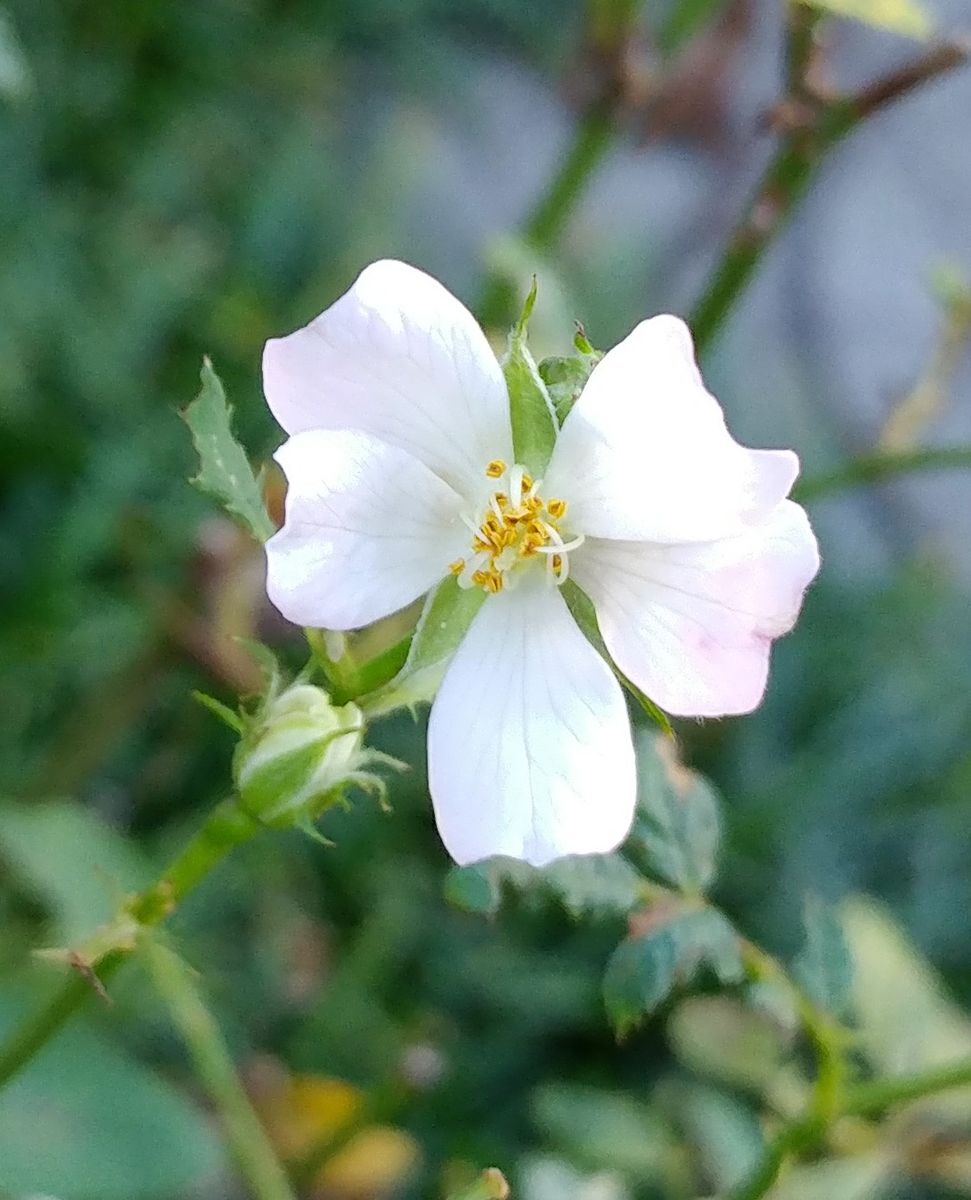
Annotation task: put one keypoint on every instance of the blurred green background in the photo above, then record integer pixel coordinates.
(182, 177)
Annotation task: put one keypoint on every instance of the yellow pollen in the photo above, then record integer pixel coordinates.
(515, 525)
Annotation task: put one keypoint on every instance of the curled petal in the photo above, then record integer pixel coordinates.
(645, 455)
(529, 744)
(368, 529)
(398, 357)
(692, 625)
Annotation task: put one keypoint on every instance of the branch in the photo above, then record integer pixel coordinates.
(812, 125)
(879, 466)
(226, 827)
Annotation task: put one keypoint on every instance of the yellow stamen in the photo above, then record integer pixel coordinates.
(457, 567)
(556, 508)
(496, 468)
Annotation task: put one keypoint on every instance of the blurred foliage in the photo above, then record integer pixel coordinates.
(187, 178)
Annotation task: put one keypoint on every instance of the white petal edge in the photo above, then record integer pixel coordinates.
(397, 356)
(645, 454)
(692, 625)
(368, 529)
(529, 742)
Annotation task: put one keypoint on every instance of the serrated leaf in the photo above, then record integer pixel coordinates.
(671, 944)
(906, 17)
(224, 470)
(583, 612)
(677, 827)
(824, 967)
(584, 884)
(565, 379)
(530, 408)
(448, 613)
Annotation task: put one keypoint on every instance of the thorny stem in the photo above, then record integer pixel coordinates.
(245, 1135)
(812, 126)
(226, 827)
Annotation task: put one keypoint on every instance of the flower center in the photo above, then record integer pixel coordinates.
(517, 527)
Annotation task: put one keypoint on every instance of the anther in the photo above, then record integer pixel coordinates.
(556, 508)
(457, 567)
(496, 468)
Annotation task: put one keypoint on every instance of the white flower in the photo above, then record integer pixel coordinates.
(400, 468)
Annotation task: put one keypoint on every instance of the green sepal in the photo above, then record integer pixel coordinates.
(225, 714)
(447, 615)
(566, 377)
(224, 470)
(530, 407)
(581, 606)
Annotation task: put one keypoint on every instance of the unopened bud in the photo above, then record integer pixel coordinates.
(300, 753)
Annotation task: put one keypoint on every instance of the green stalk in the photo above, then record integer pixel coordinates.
(245, 1135)
(226, 827)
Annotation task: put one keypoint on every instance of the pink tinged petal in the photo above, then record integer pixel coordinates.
(692, 625)
(529, 743)
(645, 454)
(368, 529)
(398, 357)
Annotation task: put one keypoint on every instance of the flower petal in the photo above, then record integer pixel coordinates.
(368, 529)
(399, 357)
(645, 454)
(692, 625)
(529, 743)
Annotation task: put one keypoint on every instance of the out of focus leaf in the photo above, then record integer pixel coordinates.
(530, 407)
(677, 829)
(585, 884)
(448, 613)
(906, 17)
(861, 1177)
(111, 1130)
(907, 1023)
(224, 470)
(603, 1129)
(722, 1039)
(670, 945)
(825, 968)
(548, 1178)
(78, 866)
(725, 1136)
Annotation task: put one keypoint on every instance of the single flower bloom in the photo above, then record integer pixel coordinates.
(401, 469)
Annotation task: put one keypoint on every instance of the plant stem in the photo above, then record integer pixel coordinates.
(871, 1099)
(812, 126)
(226, 826)
(873, 468)
(245, 1135)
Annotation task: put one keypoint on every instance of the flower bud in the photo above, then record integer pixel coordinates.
(299, 754)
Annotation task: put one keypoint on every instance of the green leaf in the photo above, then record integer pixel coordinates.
(448, 613)
(581, 606)
(112, 1130)
(677, 828)
(672, 944)
(825, 968)
(224, 470)
(906, 17)
(530, 407)
(603, 1129)
(584, 884)
(76, 864)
